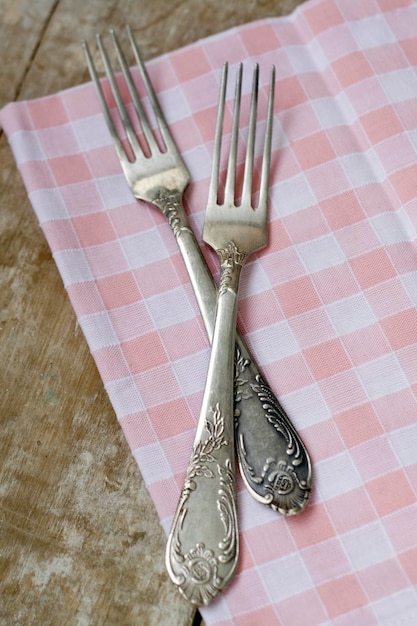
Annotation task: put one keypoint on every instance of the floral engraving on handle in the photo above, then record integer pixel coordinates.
(282, 487)
(197, 571)
(170, 203)
(231, 261)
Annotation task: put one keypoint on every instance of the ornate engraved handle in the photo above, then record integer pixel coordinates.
(202, 551)
(273, 460)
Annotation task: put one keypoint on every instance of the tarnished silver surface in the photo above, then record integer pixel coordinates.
(273, 459)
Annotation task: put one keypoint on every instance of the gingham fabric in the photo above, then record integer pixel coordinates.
(328, 308)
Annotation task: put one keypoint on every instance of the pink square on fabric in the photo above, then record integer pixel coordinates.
(386, 58)
(312, 327)
(118, 290)
(410, 50)
(342, 210)
(399, 328)
(323, 16)
(297, 296)
(326, 560)
(258, 540)
(47, 112)
(103, 161)
(190, 63)
(372, 268)
(260, 39)
(183, 338)
(290, 93)
(313, 150)
(342, 595)
(358, 424)
(94, 229)
(111, 363)
(323, 438)
(60, 235)
(37, 176)
(381, 124)
(408, 561)
(164, 417)
(351, 69)
(396, 410)
(391, 492)
(306, 225)
(335, 283)
(258, 311)
(351, 510)
(138, 429)
(403, 182)
(72, 168)
(313, 526)
(327, 359)
(144, 353)
(366, 344)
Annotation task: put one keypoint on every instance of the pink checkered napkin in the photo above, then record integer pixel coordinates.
(328, 308)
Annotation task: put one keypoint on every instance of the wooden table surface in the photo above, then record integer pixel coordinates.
(80, 541)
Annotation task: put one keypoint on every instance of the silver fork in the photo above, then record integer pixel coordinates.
(202, 550)
(273, 460)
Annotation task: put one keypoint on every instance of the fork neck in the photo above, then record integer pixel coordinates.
(231, 263)
(170, 203)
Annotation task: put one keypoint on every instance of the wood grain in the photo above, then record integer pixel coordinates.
(80, 541)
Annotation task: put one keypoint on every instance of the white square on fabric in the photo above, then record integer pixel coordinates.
(307, 58)
(350, 314)
(125, 396)
(170, 307)
(393, 227)
(363, 168)
(367, 545)
(98, 330)
(273, 342)
(342, 466)
(410, 285)
(371, 32)
(48, 205)
(307, 406)
(292, 195)
(73, 266)
(115, 192)
(404, 443)
(144, 248)
(333, 112)
(92, 132)
(191, 372)
(400, 85)
(382, 376)
(397, 609)
(153, 463)
(289, 579)
(321, 253)
(26, 147)
(173, 104)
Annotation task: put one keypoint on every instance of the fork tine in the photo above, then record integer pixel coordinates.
(130, 133)
(248, 173)
(150, 139)
(160, 117)
(109, 121)
(229, 192)
(266, 159)
(214, 181)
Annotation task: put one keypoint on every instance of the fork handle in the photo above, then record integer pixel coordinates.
(203, 548)
(273, 460)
